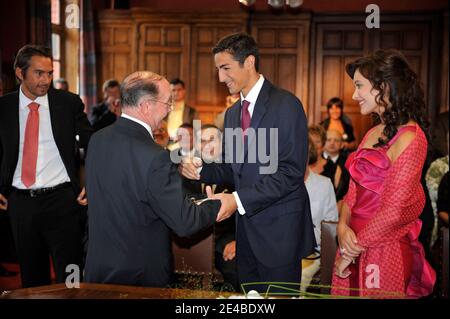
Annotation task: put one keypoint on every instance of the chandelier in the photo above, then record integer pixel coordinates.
(276, 4)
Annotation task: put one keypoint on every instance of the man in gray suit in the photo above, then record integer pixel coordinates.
(135, 193)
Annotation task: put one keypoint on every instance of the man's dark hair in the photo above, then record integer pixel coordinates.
(111, 83)
(177, 81)
(186, 125)
(240, 46)
(24, 55)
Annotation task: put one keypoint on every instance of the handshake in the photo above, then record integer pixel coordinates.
(190, 167)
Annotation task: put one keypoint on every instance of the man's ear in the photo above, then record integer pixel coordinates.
(249, 62)
(19, 74)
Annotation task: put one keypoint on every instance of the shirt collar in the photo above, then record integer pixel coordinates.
(254, 92)
(131, 118)
(24, 101)
(328, 156)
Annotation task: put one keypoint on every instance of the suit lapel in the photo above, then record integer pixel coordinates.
(234, 114)
(15, 130)
(55, 118)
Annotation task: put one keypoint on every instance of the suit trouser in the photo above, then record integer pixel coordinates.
(43, 226)
(277, 280)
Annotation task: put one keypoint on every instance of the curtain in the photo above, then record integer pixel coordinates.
(40, 22)
(88, 78)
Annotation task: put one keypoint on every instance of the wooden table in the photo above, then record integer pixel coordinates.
(102, 291)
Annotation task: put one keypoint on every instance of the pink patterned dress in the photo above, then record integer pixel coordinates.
(385, 200)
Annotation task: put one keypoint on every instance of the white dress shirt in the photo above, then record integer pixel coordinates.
(328, 156)
(50, 169)
(251, 97)
(147, 127)
(322, 200)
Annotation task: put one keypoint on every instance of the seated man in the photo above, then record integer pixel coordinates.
(323, 208)
(336, 162)
(210, 147)
(106, 112)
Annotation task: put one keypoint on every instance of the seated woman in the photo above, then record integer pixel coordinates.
(380, 255)
(323, 208)
(338, 121)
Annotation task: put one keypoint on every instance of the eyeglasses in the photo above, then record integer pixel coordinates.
(169, 104)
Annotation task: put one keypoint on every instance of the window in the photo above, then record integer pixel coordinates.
(58, 39)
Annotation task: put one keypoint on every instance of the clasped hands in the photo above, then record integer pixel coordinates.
(190, 168)
(349, 250)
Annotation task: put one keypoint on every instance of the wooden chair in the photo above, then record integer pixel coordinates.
(327, 253)
(194, 256)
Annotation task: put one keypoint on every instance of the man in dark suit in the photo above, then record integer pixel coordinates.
(135, 193)
(38, 175)
(274, 226)
(182, 113)
(106, 112)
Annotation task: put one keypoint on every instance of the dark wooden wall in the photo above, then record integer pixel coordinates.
(304, 53)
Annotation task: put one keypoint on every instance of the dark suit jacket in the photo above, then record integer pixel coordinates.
(135, 198)
(278, 221)
(68, 120)
(101, 116)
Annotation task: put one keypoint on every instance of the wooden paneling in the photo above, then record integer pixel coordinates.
(173, 45)
(210, 95)
(341, 39)
(413, 39)
(164, 49)
(116, 41)
(334, 49)
(284, 51)
(179, 45)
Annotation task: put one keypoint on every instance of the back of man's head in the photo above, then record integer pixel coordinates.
(137, 85)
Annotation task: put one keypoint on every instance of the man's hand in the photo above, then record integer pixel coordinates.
(228, 206)
(189, 167)
(3, 202)
(229, 252)
(82, 199)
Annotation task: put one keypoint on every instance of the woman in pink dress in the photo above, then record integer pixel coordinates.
(379, 253)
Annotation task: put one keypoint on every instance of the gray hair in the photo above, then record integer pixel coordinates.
(137, 85)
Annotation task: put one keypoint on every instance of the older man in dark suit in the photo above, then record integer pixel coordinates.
(38, 175)
(135, 193)
(274, 229)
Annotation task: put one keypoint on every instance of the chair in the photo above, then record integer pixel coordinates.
(327, 253)
(194, 256)
(444, 282)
